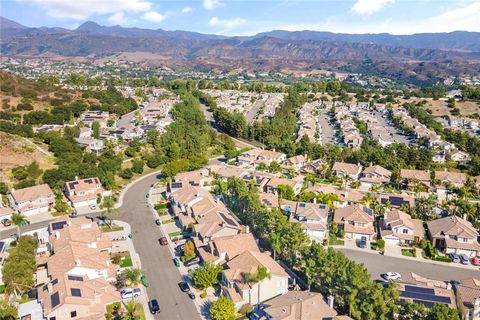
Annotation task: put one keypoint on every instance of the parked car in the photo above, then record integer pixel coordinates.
(391, 276)
(184, 286)
(93, 207)
(180, 247)
(475, 261)
(455, 258)
(176, 262)
(153, 306)
(191, 295)
(130, 293)
(6, 222)
(191, 262)
(163, 241)
(157, 222)
(363, 242)
(464, 259)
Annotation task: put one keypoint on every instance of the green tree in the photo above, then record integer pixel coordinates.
(207, 275)
(126, 174)
(137, 166)
(3, 188)
(18, 219)
(286, 192)
(132, 311)
(7, 311)
(108, 204)
(96, 129)
(222, 309)
(443, 312)
(34, 170)
(188, 251)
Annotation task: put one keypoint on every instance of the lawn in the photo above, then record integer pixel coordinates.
(334, 241)
(174, 234)
(111, 229)
(167, 221)
(408, 253)
(161, 213)
(2, 289)
(126, 262)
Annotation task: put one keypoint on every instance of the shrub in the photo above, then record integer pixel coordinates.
(381, 244)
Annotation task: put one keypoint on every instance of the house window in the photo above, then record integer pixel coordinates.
(75, 292)
(53, 318)
(405, 230)
(73, 314)
(465, 240)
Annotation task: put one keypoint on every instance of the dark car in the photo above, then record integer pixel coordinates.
(157, 222)
(163, 241)
(184, 286)
(191, 262)
(191, 295)
(363, 242)
(180, 248)
(153, 306)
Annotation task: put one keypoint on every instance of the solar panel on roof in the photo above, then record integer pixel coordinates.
(425, 297)
(420, 289)
(396, 201)
(54, 281)
(367, 210)
(302, 205)
(322, 206)
(58, 225)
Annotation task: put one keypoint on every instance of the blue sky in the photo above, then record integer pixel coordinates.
(237, 17)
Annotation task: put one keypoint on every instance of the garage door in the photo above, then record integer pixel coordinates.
(392, 241)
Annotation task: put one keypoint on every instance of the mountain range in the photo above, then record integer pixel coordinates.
(414, 55)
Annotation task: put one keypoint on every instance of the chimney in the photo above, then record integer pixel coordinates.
(197, 194)
(76, 178)
(315, 200)
(57, 235)
(247, 229)
(50, 287)
(330, 301)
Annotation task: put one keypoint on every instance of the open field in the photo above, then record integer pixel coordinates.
(439, 107)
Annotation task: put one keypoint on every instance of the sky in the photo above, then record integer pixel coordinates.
(248, 17)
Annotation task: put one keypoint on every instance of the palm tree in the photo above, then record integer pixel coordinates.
(110, 211)
(132, 275)
(275, 243)
(18, 219)
(131, 311)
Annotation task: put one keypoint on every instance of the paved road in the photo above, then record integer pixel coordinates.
(377, 264)
(156, 260)
(252, 113)
(397, 137)
(124, 121)
(327, 135)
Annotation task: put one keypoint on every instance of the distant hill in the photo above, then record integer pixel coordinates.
(413, 57)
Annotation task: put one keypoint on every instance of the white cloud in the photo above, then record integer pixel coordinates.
(187, 9)
(212, 4)
(367, 7)
(153, 16)
(226, 23)
(82, 9)
(117, 18)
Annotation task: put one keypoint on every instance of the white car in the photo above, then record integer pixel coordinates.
(395, 276)
(93, 207)
(130, 293)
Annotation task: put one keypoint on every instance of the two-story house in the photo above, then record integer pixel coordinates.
(453, 234)
(32, 200)
(272, 185)
(444, 179)
(80, 272)
(398, 227)
(242, 279)
(91, 144)
(296, 163)
(313, 218)
(269, 156)
(85, 192)
(412, 177)
(468, 294)
(375, 175)
(350, 170)
(223, 249)
(356, 221)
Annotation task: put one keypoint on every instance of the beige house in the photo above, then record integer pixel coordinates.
(32, 200)
(375, 175)
(356, 221)
(455, 179)
(351, 170)
(85, 192)
(295, 162)
(453, 234)
(223, 249)
(237, 286)
(313, 218)
(295, 305)
(409, 177)
(272, 185)
(80, 271)
(268, 156)
(468, 293)
(398, 227)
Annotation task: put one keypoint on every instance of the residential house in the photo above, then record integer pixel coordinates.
(85, 132)
(85, 192)
(460, 156)
(396, 200)
(350, 170)
(444, 179)
(80, 270)
(272, 185)
(223, 249)
(240, 285)
(398, 228)
(269, 156)
(314, 166)
(313, 218)
(91, 116)
(295, 305)
(197, 178)
(411, 177)
(414, 288)
(356, 221)
(375, 175)
(453, 234)
(32, 200)
(468, 294)
(91, 144)
(296, 163)
(270, 200)
(248, 157)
